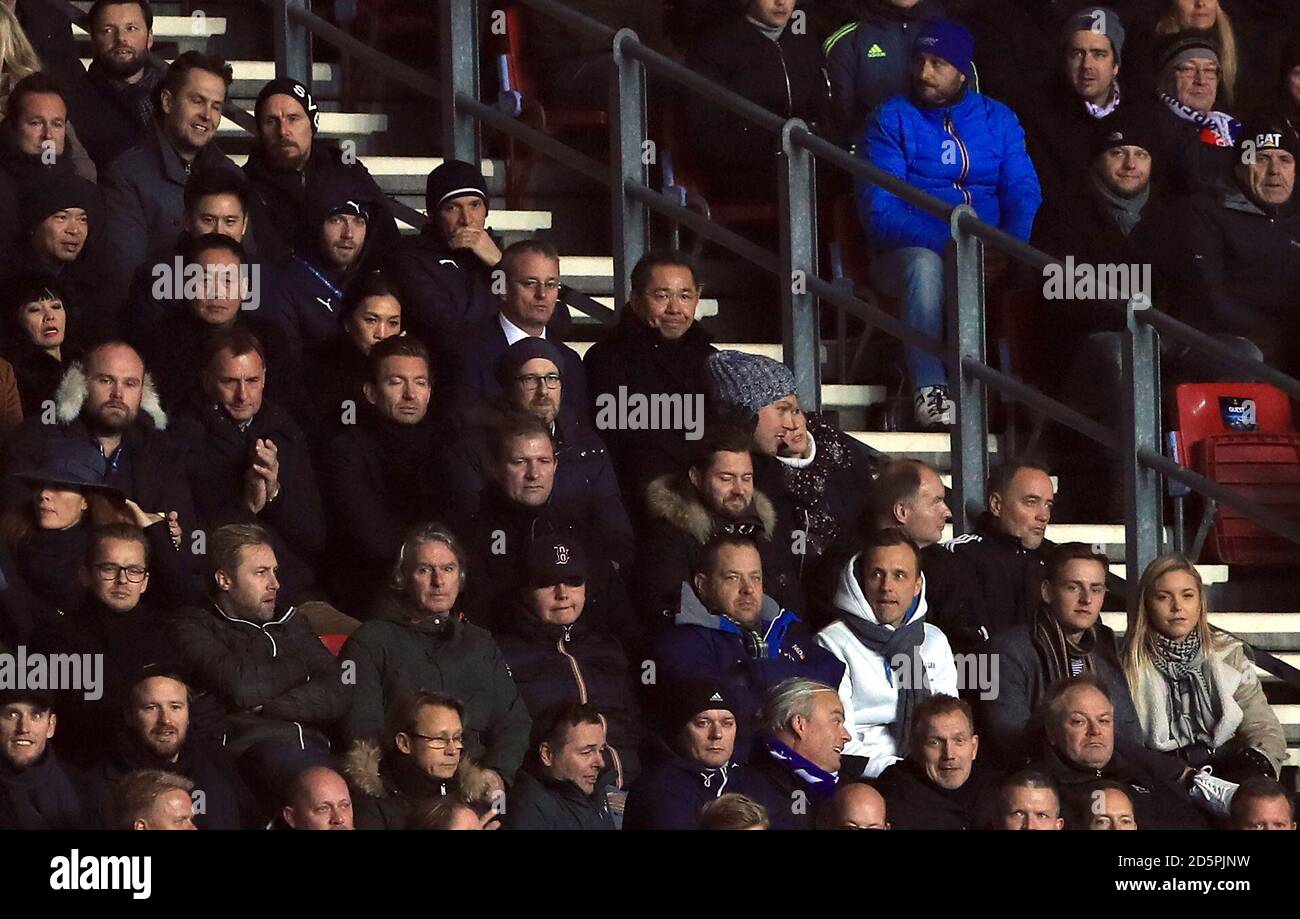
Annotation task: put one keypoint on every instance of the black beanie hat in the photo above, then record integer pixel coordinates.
(1125, 127)
(520, 353)
(296, 91)
(1174, 48)
(453, 179)
(49, 196)
(695, 696)
(1267, 134)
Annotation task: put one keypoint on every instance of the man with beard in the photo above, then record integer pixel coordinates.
(940, 785)
(375, 476)
(155, 734)
(289, 171)
(39, 791)
(144, 188)
(123, 74)
(716, 496)
(111, 402)
(532, 380)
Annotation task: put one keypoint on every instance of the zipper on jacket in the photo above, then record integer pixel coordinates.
(785, 72)
(951, 128)
(583, 698)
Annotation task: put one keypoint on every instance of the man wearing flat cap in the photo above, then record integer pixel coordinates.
(289, 169)
(532, 381)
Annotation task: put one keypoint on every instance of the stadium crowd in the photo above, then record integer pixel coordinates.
(343, 535)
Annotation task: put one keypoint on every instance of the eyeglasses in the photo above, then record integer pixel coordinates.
(1191, 71)
(110, 572)
(684, 297)
(441, 743)
(531, 380)
(533, 285)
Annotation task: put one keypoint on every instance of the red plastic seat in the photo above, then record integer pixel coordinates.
(1241, 435)
(334, 642)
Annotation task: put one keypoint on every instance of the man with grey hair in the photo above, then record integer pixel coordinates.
(797, 760)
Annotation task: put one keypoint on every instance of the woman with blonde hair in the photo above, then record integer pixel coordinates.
(1195, 689)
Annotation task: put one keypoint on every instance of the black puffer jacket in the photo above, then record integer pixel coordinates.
(672, 789)
(218, 455)
(540, 803)
(280, 666)
(552, 664)
(636, 357)
(444, 289)
(1008, 575)
(394, 657)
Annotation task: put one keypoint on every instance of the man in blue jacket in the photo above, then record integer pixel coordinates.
(961, 147)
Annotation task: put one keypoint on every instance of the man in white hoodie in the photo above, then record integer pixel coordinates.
(893, 660)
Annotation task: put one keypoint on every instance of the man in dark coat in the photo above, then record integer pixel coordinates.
(1246, 248)
(40, 792)
(247, 461)
(532, 380)
(417, 638)
(112, 102)
(728, 630)
(940, 785)
(561, 787)
(532, 287)
(446, 271)
(1196, 140)
(692, 763)
(519, 506)
(144, 189)
(715, 496)
(1065, 637)
(156, 735)
(1077, 747)
(797, 762)
(375, 476)
(263, 681)
(657, 349)
(1005, 549)
(557, 655)
(290, 170)
(779, 68)
(111, 402)
(218, 291)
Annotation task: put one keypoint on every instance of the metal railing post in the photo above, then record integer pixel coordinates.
(292, 43)
(628, 164)
(1142, 499)
(460, 136)
(965, 301)
(800, 339)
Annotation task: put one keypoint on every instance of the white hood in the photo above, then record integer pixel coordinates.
(850, 599)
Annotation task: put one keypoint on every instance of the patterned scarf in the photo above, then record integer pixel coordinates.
(1218, 128)
(1101, 111)
(900, 649)
(1192, 714)
(1055, 649)
(821, 784)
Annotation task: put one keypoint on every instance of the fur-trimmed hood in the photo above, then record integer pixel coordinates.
(674, 499)
(363, 767)
(70, 397)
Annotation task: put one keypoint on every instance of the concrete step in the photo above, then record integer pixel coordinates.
(1109, 536)
(909, 443)
(175, 28)
(332, 124)
(707, 309)
(262, 72)
(772, 351)
(1210, 574)
(1275, 632)
(503, 221)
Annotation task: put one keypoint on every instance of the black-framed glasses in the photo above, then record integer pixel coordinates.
(441, 743)
(109, 572)
(530, 380)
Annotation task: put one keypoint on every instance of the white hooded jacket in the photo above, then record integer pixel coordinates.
(868, 688)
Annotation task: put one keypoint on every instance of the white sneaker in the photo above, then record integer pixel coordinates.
(933, 407)
(1214, 793)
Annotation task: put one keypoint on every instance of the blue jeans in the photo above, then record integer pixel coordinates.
(914, 275)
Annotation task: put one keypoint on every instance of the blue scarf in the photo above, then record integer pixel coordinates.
(821, 784)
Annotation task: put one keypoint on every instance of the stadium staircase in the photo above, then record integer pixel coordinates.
(394, 133)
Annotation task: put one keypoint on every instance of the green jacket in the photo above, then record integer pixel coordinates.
(392, 657)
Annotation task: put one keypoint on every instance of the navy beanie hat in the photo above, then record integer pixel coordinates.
(292, 88)
(948, 40)
(523, 351)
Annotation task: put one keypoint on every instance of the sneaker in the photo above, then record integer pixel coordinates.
(1213, 793)
(933, 407)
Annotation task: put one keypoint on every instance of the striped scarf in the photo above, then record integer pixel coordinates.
(1055, 649)
(1218, 129)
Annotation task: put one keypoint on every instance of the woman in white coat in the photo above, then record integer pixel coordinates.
(1196, 691)
(893, 660)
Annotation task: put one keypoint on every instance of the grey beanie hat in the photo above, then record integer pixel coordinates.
(1098, 19)
(748, 380)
